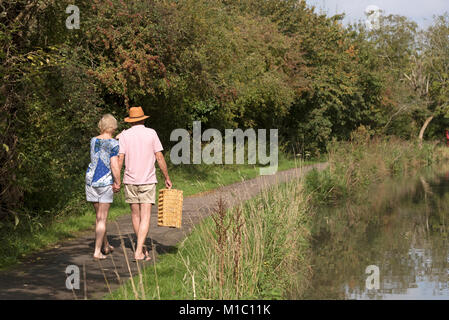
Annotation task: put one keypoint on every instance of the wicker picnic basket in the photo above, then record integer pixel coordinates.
(170, 208)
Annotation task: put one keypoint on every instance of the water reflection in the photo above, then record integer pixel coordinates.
(403, 231)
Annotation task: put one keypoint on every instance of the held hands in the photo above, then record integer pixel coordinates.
(116, 187)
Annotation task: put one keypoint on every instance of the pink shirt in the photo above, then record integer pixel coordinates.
(139, 144)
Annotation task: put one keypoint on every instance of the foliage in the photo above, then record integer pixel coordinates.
(358, 165)
(47, 110)
(246, 63)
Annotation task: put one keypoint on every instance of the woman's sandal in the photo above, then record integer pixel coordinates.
(108, 250)
(147, 255)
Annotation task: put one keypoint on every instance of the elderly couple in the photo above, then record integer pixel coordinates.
(139, 147)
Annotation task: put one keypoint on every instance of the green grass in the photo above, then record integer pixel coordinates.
(194, 179)
(36, 232)
(266, 258)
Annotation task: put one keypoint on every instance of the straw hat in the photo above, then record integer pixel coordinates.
(136, 114)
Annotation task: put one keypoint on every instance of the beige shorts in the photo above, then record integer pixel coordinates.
(145, 193)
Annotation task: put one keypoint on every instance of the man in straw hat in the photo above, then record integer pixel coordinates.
(140, 148)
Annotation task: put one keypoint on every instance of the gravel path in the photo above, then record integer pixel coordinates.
(42, 275)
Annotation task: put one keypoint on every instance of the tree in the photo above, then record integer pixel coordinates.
(47, 106)
(418, 80)
(390, 48)
(428, 77)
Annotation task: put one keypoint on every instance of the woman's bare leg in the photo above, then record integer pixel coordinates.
(102, 210)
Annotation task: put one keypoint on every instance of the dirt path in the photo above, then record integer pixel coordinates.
(42, 275)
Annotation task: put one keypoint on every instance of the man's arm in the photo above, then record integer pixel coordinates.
(121, 159)
(115, 169)
(163, 166)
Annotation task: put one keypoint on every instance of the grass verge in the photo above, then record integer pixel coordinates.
(258, 250)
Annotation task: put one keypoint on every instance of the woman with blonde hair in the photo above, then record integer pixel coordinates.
(103, 179)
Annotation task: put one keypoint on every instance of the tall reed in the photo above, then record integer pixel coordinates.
(256, 250)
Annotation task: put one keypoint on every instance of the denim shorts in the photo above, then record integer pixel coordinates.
(99, 194)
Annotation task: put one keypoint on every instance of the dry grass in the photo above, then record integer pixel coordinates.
(257, 250)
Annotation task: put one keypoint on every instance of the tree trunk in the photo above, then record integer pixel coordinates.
(424, 127)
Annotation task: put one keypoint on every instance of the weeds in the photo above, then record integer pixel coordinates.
(362, 163)
(221, 229)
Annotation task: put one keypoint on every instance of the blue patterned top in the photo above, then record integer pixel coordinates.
(99, 171)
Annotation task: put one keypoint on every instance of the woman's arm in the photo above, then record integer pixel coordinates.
(115, 169)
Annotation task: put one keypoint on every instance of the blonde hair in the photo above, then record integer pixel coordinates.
(107, 123)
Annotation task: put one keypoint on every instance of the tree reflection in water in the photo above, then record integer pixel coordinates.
(402, 229)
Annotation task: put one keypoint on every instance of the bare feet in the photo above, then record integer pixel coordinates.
(99, 256)
(145, 256)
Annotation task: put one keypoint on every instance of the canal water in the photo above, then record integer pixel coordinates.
(394, 246)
